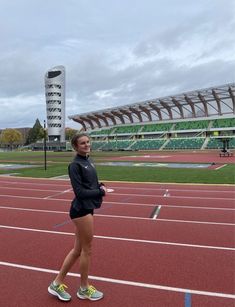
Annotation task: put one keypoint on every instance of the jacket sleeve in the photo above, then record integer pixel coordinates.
(76, 182)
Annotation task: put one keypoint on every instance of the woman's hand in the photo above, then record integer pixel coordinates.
(103, 187)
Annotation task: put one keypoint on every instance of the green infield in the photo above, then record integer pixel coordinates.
(57, 164)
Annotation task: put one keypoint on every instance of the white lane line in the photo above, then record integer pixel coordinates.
(28, 189)
(159, 186)
(220, 166)
(35, 183)
(57, 194)
(123, 282)
(203, 208)
(123, 239)
(135, 195)
(155, 215)
(118, 202)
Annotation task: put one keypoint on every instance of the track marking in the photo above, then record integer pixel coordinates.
(123, 239)
(35, 183)
(117, 203)
(155, 212)
(28, 189)
(220, 167)
(48, 180)
(123, 282)
(153, 216)
(123, 187)
(187, 300)
(203, 208)
(57, 194)
(135, 195)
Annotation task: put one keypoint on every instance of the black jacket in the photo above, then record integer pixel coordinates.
(84, 181)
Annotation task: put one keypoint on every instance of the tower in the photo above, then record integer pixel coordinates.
(55, 103)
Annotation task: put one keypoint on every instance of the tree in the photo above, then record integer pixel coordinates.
(10, 137)
(36, 133)
(69, 133)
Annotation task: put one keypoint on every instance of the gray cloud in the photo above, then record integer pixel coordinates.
(114, 54)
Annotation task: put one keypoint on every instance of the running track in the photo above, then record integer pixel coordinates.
(181, 256)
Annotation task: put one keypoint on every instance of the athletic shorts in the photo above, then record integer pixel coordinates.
(82, 212)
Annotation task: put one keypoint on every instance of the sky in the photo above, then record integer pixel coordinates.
(114, 52)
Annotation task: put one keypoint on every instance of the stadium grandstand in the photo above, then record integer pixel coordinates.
(199, 119)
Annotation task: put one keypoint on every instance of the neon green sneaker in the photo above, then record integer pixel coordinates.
(90, 293)
(59, 291)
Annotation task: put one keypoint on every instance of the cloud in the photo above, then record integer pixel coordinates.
(113, 54)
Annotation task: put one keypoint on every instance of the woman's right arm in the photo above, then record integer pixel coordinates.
(76, 182)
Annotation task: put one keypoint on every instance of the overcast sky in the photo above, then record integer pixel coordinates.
(114, 52)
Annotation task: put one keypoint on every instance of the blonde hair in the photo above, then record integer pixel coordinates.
(75, 139)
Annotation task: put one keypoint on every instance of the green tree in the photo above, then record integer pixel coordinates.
(10, 137)
(36, 133)
(69, 133)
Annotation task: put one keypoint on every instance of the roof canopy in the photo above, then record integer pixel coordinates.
(214, 101)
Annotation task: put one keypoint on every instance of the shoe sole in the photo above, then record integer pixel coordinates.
(88, 298)
(56, 294)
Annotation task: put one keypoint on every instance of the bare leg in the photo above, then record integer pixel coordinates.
(69, 260)
(84, 226)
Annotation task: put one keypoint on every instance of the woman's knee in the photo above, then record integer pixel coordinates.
(87, 249)
(76, 253)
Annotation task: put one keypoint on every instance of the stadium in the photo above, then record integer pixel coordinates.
(164, 235)
(199, 119)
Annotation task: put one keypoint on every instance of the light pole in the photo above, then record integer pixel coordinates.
(45, 146)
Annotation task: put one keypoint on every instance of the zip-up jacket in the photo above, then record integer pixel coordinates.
(84, 180)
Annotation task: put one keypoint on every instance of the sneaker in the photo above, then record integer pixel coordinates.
(59, 291)
(90, 293)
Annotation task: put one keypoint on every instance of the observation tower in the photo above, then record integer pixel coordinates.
(55, 103)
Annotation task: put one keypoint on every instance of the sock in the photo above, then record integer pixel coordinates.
(83, 289)
(55, 283)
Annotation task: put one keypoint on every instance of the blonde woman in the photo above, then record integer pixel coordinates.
(88, 194)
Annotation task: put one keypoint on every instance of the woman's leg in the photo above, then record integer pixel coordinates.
(69, 260)
(84, 226)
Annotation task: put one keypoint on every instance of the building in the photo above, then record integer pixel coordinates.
(199, 119)
(55, 103)
(214, 102)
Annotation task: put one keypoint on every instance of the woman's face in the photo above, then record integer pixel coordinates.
(83, 146)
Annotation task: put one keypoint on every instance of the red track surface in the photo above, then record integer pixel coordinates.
(188, 248)
(174, 156)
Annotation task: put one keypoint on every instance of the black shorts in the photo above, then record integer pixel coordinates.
(73, 213)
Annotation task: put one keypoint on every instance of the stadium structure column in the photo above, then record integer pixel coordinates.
(55, 103)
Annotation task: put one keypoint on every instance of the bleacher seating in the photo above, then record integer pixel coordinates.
(97, 145)
(223, 123)
(127, 129)
(157, 127)
(198, 134)
(117, 145)
(185, 143)
(215, 143)
(101, 132)
(147, 144)
(191, 125)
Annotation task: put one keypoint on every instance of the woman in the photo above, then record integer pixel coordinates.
(88, 196)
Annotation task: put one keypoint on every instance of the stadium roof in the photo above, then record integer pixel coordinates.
(209, 102)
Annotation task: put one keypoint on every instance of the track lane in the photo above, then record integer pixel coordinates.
(161, 265)
(195, 214)
(128, 199)
(153, 230)
(115, 294)
(114, 206)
